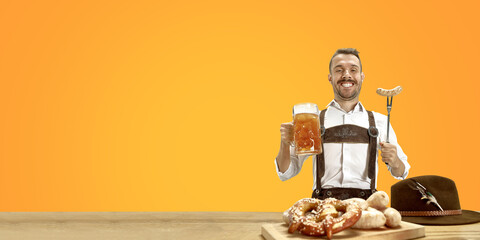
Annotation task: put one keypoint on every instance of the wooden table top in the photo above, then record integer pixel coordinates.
(164, 225)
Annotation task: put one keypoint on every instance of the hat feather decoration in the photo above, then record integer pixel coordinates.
(426, 195)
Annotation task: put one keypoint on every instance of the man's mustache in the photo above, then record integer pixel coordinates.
(344, 81)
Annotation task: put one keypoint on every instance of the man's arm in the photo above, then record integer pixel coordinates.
(283, 157)
(390, 157)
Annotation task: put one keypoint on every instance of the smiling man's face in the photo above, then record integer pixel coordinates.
(346, 77)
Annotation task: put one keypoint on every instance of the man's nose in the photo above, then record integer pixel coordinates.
(346, 75)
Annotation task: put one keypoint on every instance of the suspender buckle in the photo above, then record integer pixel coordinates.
(373, 131)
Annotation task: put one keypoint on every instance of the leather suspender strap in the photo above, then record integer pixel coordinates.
(371, 154)
(346, 133)
(321, 157)
(372, 150)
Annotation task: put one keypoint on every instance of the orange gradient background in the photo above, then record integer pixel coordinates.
(177, 105)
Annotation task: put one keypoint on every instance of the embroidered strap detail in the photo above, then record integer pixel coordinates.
(430, 213)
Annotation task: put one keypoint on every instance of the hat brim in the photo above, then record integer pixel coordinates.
(466, 217)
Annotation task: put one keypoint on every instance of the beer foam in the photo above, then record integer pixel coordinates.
(305, 108)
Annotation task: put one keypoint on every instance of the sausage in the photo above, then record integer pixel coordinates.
(371, 218)
(376, 214)
(393, 217)
(390, 92)
(360, 201)
(379, 200)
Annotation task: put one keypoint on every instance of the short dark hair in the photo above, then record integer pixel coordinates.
(352, 51)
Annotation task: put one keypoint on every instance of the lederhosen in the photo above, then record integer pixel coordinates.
(347, 133)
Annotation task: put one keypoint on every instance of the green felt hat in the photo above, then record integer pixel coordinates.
(414, 199)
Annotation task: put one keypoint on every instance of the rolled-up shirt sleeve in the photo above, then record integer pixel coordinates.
(403, 158)
(401, 155)
(296, 163)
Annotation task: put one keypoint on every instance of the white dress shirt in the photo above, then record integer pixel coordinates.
(346, 164)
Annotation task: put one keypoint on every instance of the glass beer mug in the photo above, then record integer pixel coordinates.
(306, 127)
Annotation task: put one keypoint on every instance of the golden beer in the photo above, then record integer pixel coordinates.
(306, 127)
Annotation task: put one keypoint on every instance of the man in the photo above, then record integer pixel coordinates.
(351, 138)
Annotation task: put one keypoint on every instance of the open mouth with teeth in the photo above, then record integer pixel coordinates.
(347, 84)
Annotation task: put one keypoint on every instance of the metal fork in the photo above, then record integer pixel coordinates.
(389, 108)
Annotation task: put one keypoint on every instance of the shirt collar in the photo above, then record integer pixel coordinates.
(358, 108)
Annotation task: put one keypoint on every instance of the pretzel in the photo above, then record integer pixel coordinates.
(315, 217)
(306, 207)
(390, 92)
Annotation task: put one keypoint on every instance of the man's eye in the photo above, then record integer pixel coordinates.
(338, 70)
(354, 70)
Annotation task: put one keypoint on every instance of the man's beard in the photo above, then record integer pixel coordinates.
(353, 95)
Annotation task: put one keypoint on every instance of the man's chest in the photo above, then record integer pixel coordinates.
(335, 118)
